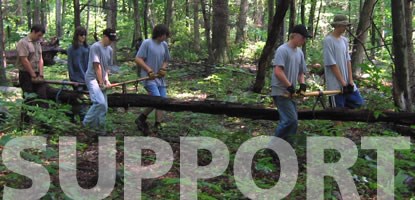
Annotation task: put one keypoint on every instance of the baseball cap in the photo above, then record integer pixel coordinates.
(111, 34)
(340, 20)
(302, 30)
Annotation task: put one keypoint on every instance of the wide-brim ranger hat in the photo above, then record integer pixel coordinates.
(340, 20)
(302, 30)
(111, 34)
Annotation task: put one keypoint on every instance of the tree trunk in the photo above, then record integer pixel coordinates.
(219, 31)
(293, 13)
(318, 18)
(302, 12)
(310, 26)
(145, 18)
(77, 13)
(361, 36)
(258, 15)
(240, 28)
(59, 18)
(112, 23)
(29, 13)
(196, 32)
(43, 13)
(137, 25)
(253, 111)
(401, 91)
(411, 53)
(3, 78)
(88, 15)
(36, 12)
(207, 22)
(168, 17)
(19, 12)
(270, 45)
(64, 12)
(271, 6)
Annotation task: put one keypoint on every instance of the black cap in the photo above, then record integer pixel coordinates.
(111, 34)
(301, 29)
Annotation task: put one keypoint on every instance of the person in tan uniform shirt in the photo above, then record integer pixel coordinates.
(30, 65)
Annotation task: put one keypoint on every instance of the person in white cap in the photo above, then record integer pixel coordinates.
(338, 68)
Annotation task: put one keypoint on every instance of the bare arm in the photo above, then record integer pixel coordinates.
(301, 78)
(98, 72)
(41, 66)
(27, 66)
(140, 62)
(279, 73)
(349, 68)
(338, 75)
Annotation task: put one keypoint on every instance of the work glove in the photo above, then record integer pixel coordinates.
(291, 90)
(347, 89)
(37, 80)
(151, 75)
(303, 88)
(162, 72)
(350, 87)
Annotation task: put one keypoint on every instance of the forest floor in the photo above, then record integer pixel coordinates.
(189, 81)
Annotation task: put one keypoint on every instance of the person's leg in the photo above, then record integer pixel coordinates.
(287, 110)
(97, 111)
(160, 113)
(337, 101)
(141, 122)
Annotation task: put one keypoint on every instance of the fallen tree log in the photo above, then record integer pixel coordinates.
(254, 112)
(242, 110)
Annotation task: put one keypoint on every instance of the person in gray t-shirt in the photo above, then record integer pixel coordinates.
(338, 68)
(289, 67)
(153, 57)
(96, 79)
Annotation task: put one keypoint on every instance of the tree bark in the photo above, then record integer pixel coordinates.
(310, 26)
(137, 24)
(145, 18)
(168, 17)
(112, 23)
(219, 31)
(240, 28)
(293, 14)
(43, 13)
(3, 78)
(196, 32)
(59, 18)
(302, 12)
(36, 12)
(271, 44)
(411, 53)
(77, 13)
(207, 22)
(258, 15)
(29, 13)
(19, 12)
(401, 90)
(271, 6)
(362, 32)
(253, 111)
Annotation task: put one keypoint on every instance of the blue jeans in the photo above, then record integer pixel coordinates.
(353, 100)
(95, 117)
(158, 91)
(287, 110)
